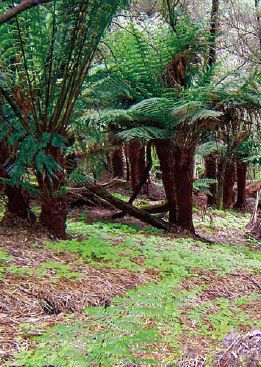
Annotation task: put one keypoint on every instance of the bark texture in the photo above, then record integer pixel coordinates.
(211, 172)
(184, 161)
(54, 208)
(18, 206)
(117, 163)
(165, 154)
(18, 200)
(241, 185)
(213, 32)
(137, 162)
(228, 186)
(53, 217)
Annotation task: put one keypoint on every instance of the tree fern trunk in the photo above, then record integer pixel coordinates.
(211, 172)
(117, 163)
(184, 159)
(167, 166)
(18, 201)
(220, 178)
(241, 185)
(228, 186)
(53, 217)
(17, 206)
(137, 162)
(54, 208)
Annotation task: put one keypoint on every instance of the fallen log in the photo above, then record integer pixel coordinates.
(114, 182)
(156, 209)
(79, 196)
(128, 208)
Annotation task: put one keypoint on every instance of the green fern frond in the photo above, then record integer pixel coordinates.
(143, 133)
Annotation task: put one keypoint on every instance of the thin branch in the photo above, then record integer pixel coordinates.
(24, 5)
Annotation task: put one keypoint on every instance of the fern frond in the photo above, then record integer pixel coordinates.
(143, 133)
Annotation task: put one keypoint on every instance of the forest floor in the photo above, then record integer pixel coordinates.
(121, 294)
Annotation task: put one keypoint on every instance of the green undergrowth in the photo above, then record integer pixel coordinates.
(50, 269)
(215, 319)
(4, 258)
(110, 245)
(144, 323)
(148, 325)
(222, 220)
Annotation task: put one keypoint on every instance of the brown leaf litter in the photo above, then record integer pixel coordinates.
(44, 301)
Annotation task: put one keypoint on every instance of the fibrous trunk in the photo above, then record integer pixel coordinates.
(137, 162)
(228, 186)
(241, 185)
(220, 179)
(18, 201)
(184, 161)
(117, 163)
(211, 172)
(53, 217)
(167, 165)
(17, 206)
(54, 208)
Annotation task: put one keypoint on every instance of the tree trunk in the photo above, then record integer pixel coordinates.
(184, 159)
(164, 151)
(17, 206)
(126, 154)
(211, 172)
(53, 217)
(241, 185)
(54, 208)
(220, 178)
(228, 190)
(137, 162)
(117, 163)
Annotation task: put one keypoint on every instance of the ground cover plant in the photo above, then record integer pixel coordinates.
(130, 216)
(191, 296)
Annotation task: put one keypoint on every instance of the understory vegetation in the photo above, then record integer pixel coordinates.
(189, 295)
(130, 183)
